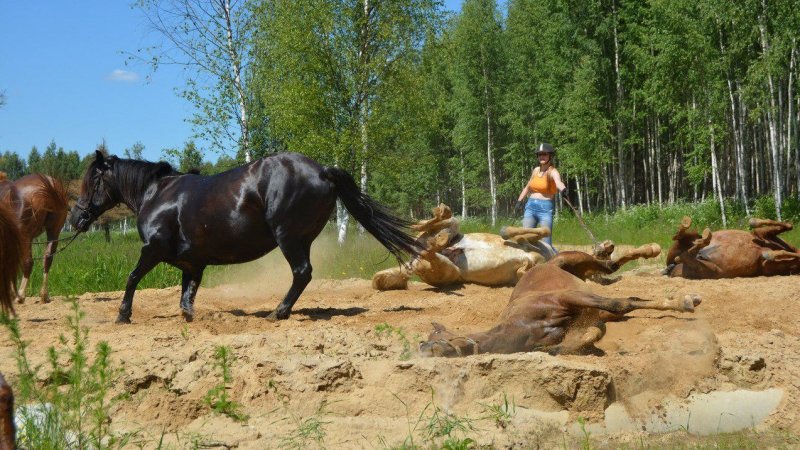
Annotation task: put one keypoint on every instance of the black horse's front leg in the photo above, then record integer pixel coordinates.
(190, 283)
(147, 261)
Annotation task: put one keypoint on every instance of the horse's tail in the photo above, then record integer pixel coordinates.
(6, 416)
(387, 228)
(51, 192)
(10, 257)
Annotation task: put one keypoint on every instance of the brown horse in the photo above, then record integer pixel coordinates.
(6, 416)
(40, 203)
(10, 257)
(553, 310)
(732, 253)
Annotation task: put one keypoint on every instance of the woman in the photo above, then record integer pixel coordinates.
(544, 183)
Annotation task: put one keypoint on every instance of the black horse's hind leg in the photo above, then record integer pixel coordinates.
(190, 283)
(298, 255)
(147, 260)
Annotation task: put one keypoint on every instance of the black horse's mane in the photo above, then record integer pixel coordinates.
(131, 176)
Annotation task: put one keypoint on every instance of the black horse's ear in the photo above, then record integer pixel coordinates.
(99, 157)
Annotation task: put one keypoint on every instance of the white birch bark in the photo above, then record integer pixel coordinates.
(771, 122)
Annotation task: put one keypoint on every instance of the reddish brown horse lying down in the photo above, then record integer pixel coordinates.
(553, 310)
(732, 253)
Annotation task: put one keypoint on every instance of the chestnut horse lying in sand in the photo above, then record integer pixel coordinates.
(732, 253)
(40, 204)
(454, 258)
(553, 310)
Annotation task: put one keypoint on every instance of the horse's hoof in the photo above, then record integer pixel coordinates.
(45, 298)
(275, 316)
(20, 300)
(690, 301)
(121, 319)
(686, 222)
(188, 316)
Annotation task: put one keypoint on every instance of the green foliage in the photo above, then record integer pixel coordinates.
(501, 413)
(217, 397)
(72, 408)
(307, 431)
(384, 329)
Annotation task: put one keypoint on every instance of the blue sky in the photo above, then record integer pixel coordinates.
(63, 72)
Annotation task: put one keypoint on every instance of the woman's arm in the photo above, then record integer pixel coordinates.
(526, 190)
(557, 179)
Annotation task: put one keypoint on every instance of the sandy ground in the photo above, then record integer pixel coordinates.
(329, 369)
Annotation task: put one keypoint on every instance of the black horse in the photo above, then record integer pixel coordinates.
(192, 221)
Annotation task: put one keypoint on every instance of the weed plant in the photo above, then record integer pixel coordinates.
(71, 407)
(306, 432)
(384, 329)
(217, 397)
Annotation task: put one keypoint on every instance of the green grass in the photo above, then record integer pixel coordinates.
(92, 265)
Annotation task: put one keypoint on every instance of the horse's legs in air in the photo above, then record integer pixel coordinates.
(769, 230)
(147, 260)
(47, 260)
(625, 305)
(27, 267)
(780, 262)
(189, 285)
(683, 238)
(297, 253)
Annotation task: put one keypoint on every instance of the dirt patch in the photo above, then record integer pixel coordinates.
(341, 358)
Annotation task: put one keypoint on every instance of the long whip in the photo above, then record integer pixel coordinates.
(580, 219)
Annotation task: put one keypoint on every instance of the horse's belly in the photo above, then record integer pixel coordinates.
(735, 259)
(216, 245)
(492, 266)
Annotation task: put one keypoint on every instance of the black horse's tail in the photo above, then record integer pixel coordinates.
(387, 228)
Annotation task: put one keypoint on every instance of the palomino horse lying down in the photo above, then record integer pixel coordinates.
(732, 253)
(454, 258)
(553, 310)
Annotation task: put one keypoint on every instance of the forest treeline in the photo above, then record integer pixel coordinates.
(645, 101)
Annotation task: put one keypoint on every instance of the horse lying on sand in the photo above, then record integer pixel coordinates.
(732, 253)
(553, 310)
(40, 204)
(192, 221)
(455, 258)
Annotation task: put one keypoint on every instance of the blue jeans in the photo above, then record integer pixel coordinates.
(539, 213)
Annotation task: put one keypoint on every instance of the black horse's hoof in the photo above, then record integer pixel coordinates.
(122, 319)
(188, 316)
(275, 316)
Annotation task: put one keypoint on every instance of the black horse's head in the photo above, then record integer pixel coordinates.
(98, 193)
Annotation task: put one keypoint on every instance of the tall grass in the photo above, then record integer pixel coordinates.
(69, 405)
(92, 265)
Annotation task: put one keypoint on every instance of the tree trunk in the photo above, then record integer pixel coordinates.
(236, 70)
(715, 177)
(463, 185)
(489, 145)
(771, 112)
(620, 132)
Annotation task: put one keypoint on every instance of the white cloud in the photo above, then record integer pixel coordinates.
(123, 75)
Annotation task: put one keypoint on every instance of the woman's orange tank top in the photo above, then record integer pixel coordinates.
(541, 183)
